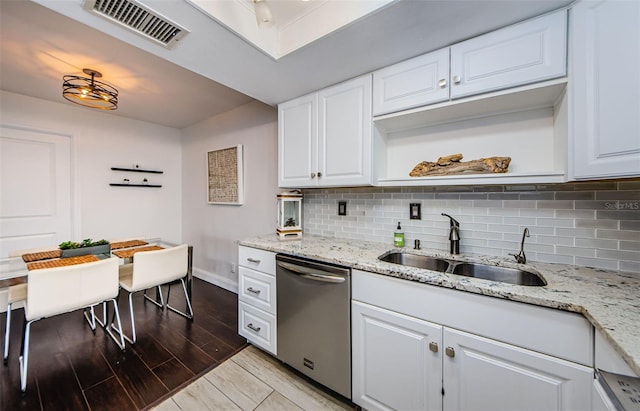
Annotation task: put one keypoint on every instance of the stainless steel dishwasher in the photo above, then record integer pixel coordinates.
(314, 320)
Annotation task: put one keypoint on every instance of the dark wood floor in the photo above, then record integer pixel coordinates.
(70, 368)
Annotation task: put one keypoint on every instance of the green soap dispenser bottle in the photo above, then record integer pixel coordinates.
(398, 236)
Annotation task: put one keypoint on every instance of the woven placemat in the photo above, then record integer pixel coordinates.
(43, 255)
(127, 244)
(131, 252)
(62, 262)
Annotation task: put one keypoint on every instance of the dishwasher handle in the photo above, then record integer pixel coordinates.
(311, 273)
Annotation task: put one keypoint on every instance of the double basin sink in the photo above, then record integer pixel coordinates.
(467, 269)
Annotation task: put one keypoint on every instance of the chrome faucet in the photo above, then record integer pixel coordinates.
(521, 258)
(454, 235)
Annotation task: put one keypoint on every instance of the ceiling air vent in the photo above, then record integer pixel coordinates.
(139, 18)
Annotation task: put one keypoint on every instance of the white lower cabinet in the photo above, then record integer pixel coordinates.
(257, 297)
(393, 366)
(404, 362)
(484, 374)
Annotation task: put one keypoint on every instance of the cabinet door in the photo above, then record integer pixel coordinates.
(393, 367)
(524, 53)
(483, 374)
(413, 83)
(297, 142)
(344, 133)
(605, 89)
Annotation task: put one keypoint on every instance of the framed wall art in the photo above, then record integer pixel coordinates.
(225, 177)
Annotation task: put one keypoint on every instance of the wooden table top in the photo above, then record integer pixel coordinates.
(62, 262)
(130, 252)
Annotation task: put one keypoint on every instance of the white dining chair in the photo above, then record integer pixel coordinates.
(151, 269)
(54, 291)
(15, 294)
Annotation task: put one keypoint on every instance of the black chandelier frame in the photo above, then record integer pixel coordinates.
(89, 92)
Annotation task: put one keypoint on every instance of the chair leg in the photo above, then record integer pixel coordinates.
(7, 331)
(188, 315)
(91, 320)
(116, 315)
(103, 322)
(24, 358)
(158, 295)
(133, 323)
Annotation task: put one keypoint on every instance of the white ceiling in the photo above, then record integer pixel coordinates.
(213, 69)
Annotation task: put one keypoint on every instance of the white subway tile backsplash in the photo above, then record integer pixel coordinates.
(598, 263)
(593, 224)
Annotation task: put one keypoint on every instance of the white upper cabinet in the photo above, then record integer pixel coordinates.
(412, 83)
(605, 89)
(325, 138)
(524, 53)
(297, 141)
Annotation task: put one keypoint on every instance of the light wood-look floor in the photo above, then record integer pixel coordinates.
(252, 380)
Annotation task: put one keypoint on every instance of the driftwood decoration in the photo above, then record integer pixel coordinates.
(452, 165)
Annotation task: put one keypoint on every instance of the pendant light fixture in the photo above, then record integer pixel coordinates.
(89, 92)
(263, 12)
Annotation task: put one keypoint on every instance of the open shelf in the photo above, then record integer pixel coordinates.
(134, 185)
(137, 170)
(529, 124)
(477, 179)
(505, 101)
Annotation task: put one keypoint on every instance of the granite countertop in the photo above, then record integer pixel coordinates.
(610, 300)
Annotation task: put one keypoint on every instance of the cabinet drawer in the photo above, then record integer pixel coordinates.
(259, 260)
(257, 326)
(257, 289)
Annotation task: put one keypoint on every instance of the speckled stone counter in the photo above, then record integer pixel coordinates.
(610, 300)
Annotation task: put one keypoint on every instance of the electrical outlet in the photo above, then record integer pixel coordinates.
(414, 211)
(342, 208)
(233, 268)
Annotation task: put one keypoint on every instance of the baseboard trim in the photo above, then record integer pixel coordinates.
(216, 279)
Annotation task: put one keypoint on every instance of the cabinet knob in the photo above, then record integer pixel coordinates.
(433, 346)
(252, 327)
(313, 175)
(456, 79)
(450, 352)
(442, 83)
(319, 174)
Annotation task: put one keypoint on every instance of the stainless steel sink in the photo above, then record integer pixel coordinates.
(475, 270)
(502, 274)
(415, 260)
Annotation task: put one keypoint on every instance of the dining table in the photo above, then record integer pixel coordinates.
(15, 270)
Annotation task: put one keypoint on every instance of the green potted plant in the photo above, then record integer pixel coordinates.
(87, 246)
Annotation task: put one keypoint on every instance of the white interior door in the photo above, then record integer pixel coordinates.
(35, 189)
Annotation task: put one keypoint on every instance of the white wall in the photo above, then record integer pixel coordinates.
(101, 140)
(214, 230)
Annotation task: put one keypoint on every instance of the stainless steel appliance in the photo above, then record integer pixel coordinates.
(314, 320)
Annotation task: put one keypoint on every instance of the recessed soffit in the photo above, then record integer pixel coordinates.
(296, 24)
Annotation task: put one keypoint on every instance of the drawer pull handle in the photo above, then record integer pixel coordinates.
(253, 260)
(253, 290)
(433, 346)
(450, 352)
(252, 327)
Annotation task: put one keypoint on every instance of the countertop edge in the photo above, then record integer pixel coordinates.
(558, 294)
